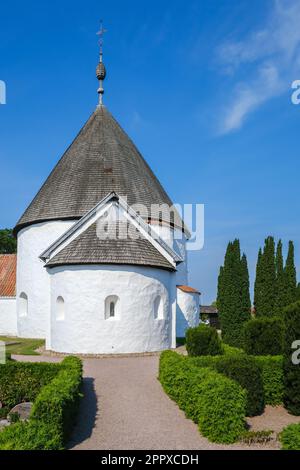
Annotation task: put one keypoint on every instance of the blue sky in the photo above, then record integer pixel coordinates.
(203, 88)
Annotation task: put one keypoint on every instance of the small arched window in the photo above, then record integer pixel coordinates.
(60, 308)
(158, 308)
(23, 305)
(111, 307)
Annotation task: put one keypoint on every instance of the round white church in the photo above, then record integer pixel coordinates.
(101, 265)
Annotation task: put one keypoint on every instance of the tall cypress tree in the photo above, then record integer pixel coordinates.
(280, 280)
(245, 287)
(258, 285)
(290, 276)
(298, 291)
(221, 289)
(233, 299)
(265, 285)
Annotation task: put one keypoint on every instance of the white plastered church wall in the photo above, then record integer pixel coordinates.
(177, 240)
(8, 316)
(33, 279)
(187, 311)
(135, 329)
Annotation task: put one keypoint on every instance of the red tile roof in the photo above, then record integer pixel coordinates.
(8, 269)
(188, 289)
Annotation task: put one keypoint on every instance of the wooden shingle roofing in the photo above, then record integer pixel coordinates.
(8, 268)
(101, 159)
(88, 248)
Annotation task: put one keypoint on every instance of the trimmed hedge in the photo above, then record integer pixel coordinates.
(291, 399)
(213, 401)
(52, 415)
(247, 373)
(271, 373)
(272, 377)
(29, 436)
(263, 336)
(231, 350)
(202, 341)
(21, 381)
(290, 437)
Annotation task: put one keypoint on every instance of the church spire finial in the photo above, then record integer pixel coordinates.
(100, 70)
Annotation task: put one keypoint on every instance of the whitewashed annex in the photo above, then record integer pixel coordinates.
(96, 271)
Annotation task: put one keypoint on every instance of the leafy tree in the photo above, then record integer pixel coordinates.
(233, 299)
(8, 244)
(265, 297)
(290, 276)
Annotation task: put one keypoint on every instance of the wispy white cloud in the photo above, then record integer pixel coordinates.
(272, 56)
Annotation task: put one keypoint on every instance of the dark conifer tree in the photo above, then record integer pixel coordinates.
(298, 291)
(233, 294)
(245, 287)
(290, 276)
(280, 281)
(265, 285)
(258, 281)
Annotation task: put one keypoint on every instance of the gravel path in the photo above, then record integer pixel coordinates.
(124, 407)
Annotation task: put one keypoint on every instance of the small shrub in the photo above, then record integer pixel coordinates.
(245, 371)
(29, 436)
(205, 361)
(272, 378)
(213, 401)
(290, 437)
(202, 341)
(263, 336)
(21, 381)
(257, 437)
(231, 350)
(291, 371)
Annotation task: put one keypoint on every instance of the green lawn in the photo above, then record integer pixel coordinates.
(25, 346)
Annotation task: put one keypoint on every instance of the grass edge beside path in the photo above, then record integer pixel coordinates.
(24, 346)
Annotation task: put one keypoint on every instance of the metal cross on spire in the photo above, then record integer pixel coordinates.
(100, 71)
(101, 33)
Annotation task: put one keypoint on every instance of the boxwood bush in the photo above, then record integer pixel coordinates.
(291, 370)
(271, 373)
(230, 350)
(272, 377)
(245, 371)
(53, 413)
(21, 381)
(290, 437)
(202, 341)
(263, 336)
(212, 400)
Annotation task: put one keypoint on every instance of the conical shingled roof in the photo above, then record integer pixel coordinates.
(101, 159)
